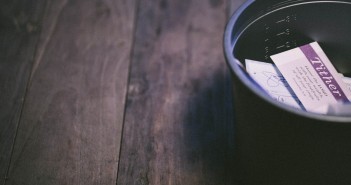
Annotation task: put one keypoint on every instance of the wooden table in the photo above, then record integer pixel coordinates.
(115, 91)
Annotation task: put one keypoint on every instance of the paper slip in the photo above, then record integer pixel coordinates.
(339, 109)
(313, 78)
(347, 81)
(272, 81)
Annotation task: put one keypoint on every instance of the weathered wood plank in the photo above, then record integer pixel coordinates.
(19, 32)
(178, 124)
(71, 124)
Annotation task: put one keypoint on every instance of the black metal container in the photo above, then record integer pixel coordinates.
(276, 143)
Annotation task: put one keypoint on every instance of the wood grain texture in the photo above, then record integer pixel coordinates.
(19, 32)
(178, 125)
(71, 124)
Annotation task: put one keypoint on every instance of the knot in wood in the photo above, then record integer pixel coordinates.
(137, 87)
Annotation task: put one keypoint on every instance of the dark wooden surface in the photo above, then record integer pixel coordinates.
(20, 22)
(183, 133)
(72, 118)
(115, 91)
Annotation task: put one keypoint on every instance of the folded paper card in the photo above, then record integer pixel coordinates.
(271, 80)
(312, 77)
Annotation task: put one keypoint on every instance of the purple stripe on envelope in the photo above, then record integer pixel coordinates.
(324, 73)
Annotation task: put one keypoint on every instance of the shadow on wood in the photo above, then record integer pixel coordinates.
(209, 130)
(178, 118)
(20, 25)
